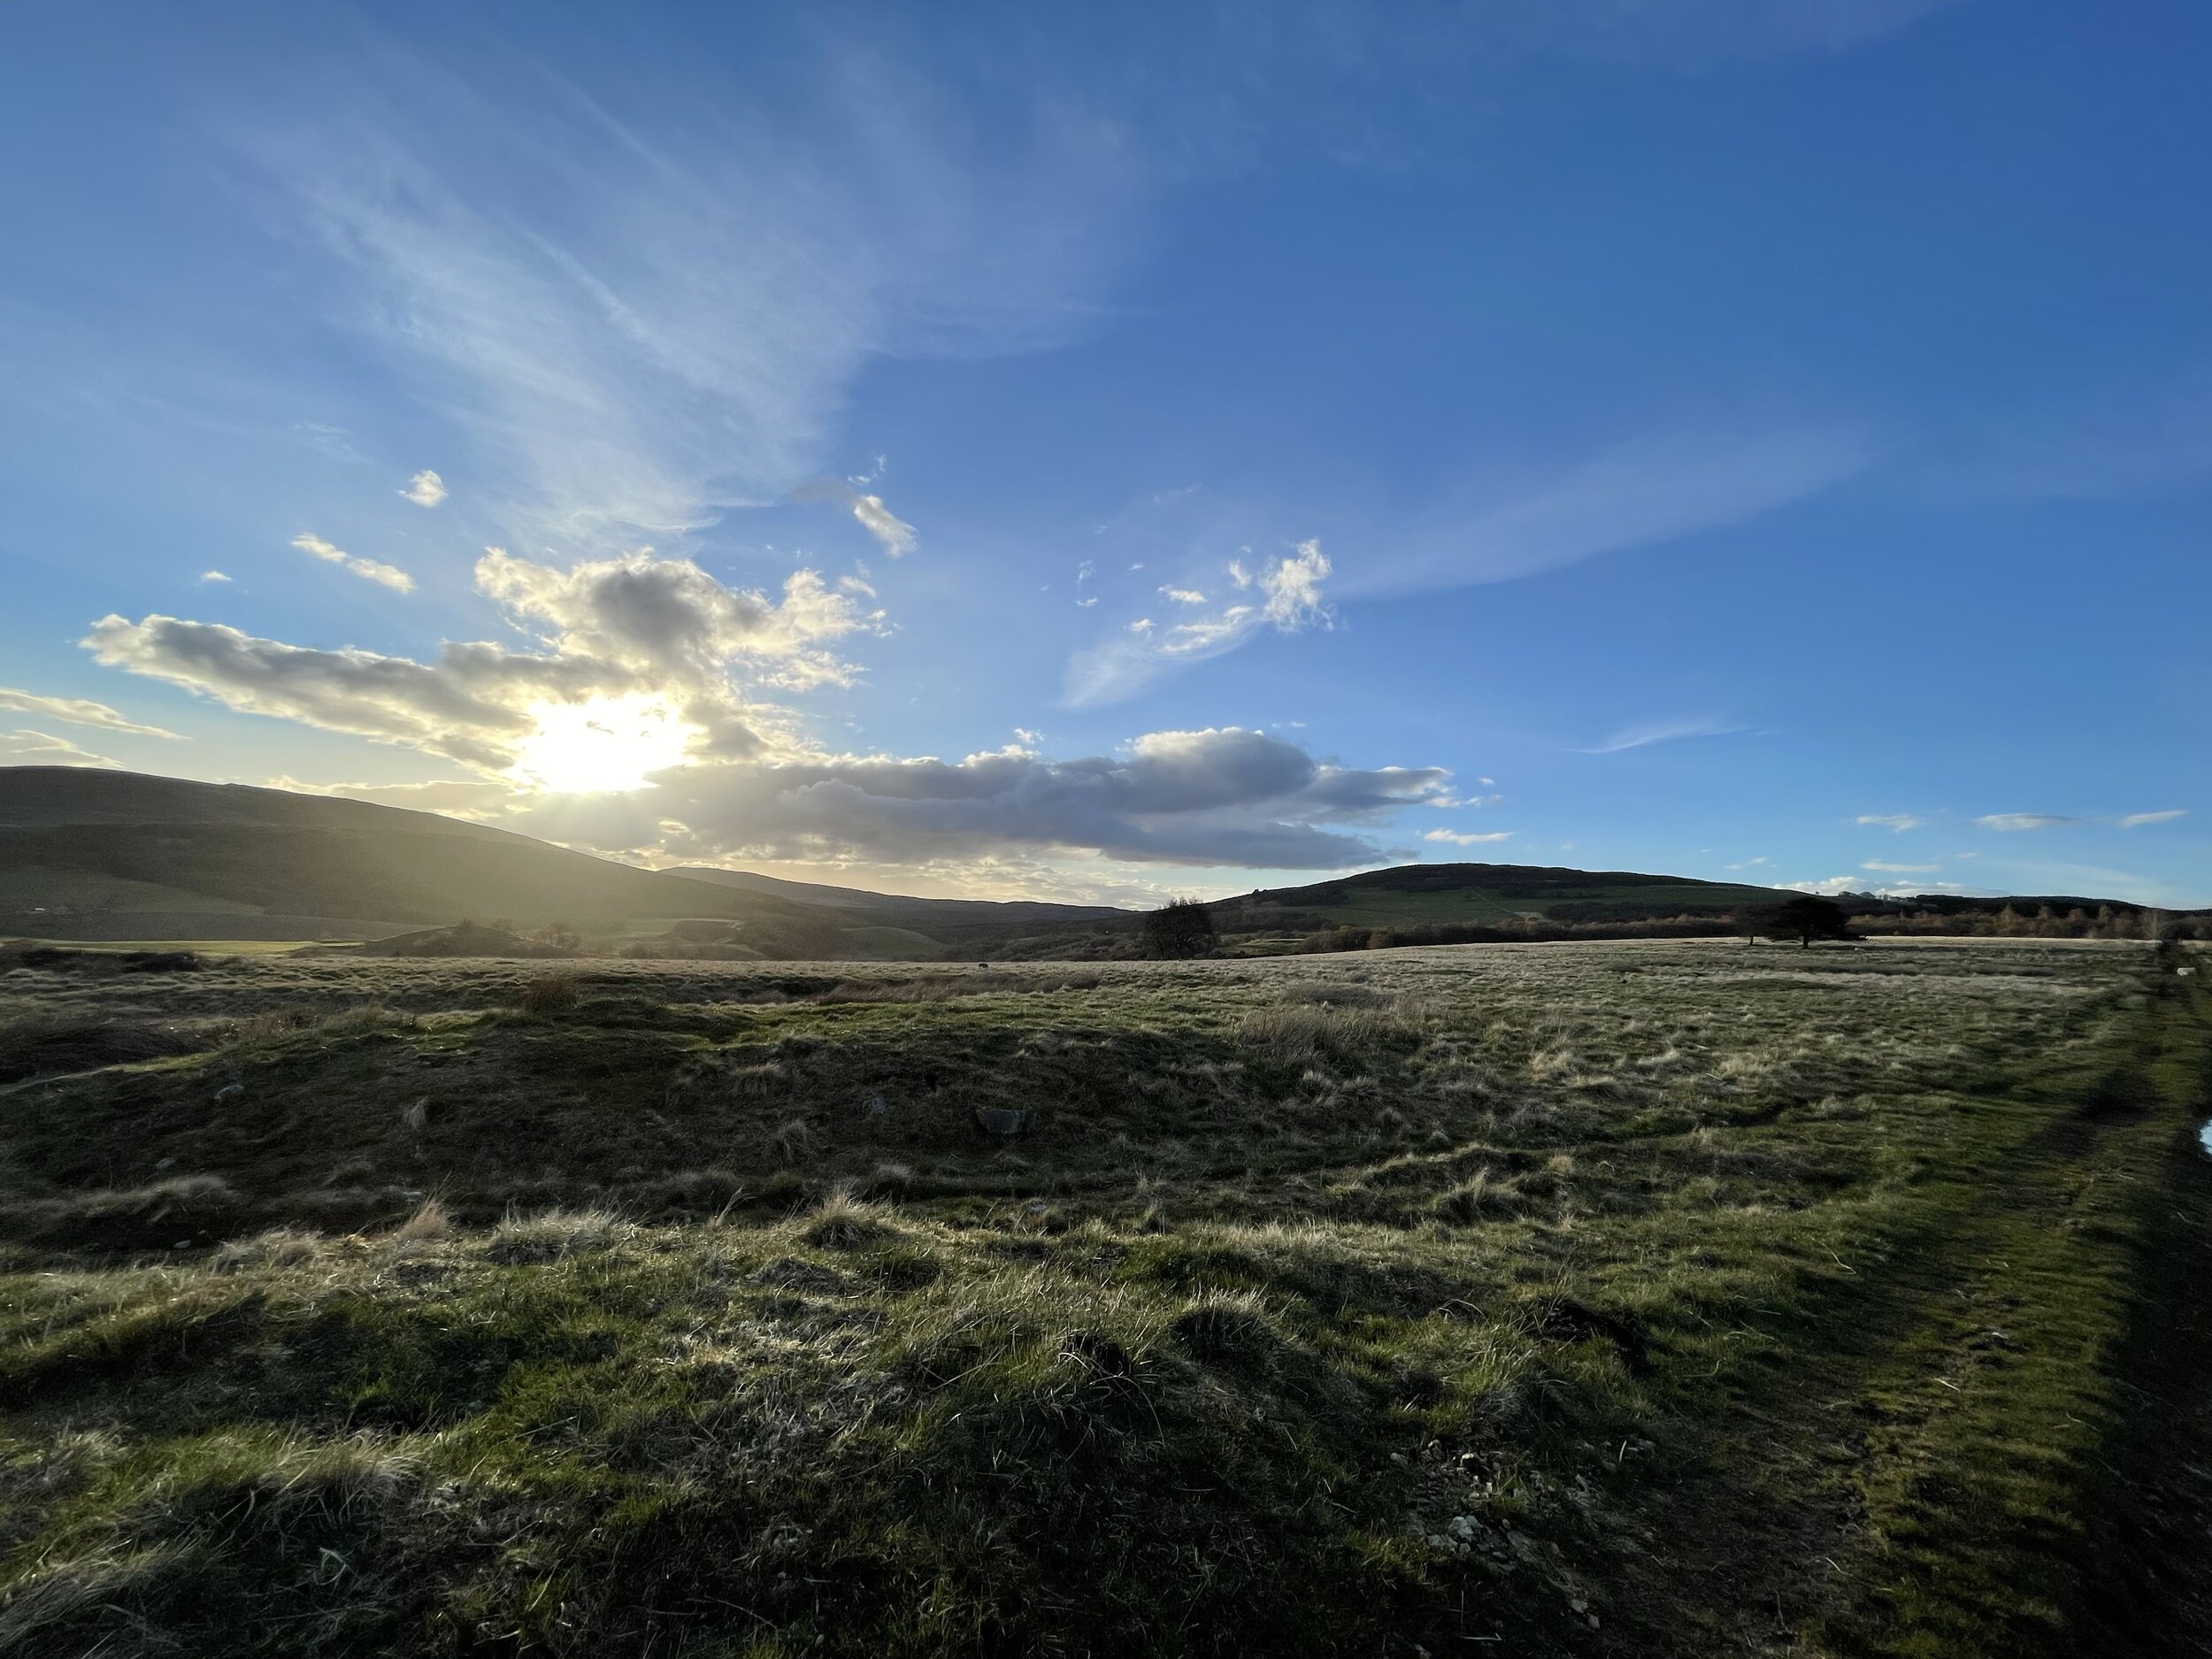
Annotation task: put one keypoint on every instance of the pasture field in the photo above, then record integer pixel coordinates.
(1652, 1298)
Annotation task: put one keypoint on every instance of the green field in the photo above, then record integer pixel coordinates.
(1644, 1298)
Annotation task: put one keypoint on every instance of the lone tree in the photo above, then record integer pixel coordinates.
(1803, 918)
(1181, 927)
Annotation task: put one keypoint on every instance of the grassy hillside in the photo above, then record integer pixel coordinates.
(109, 855)
(1614, 1299)
(1414, 894)
(312, 856)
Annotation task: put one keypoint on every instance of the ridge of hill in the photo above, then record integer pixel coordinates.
(1489, 892)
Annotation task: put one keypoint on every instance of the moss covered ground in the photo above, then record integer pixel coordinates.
(1647, 1298)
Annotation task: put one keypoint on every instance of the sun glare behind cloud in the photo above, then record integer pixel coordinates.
(607, 744)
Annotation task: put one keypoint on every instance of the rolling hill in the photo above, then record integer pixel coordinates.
(119, 855)
(109, 855)
(1416, 894)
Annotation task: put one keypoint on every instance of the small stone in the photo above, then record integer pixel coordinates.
(230, 1091)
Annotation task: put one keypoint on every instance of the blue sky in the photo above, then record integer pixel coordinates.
(1155, 450)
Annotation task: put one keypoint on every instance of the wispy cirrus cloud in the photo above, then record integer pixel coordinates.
(642, 321)
(79, 711)
(1467, 838)
(27, 748)
(1898, 822)
(370, 570)
(2014, 822)
(1283, 594)
(1887, 868)
(1651, 732)
(1650, 490)
(455, 797)
(892, 534)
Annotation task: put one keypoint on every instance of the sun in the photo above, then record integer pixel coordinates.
(605, 745)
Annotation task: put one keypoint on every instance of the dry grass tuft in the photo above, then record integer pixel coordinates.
(1302, 1033)
(795, 1139)
(279, 1246)
(429, 1221)
(548, 993)
(844, 1219)
(553, 1236)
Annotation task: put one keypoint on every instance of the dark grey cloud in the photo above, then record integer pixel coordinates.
(1228, 798)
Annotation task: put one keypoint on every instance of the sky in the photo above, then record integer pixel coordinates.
(1106, 453)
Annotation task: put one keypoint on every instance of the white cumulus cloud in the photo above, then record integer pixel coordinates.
(425, 489)
(1467, 838)
(615, 627)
